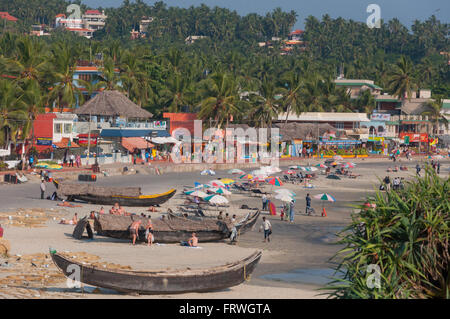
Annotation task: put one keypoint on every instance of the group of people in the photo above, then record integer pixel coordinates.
(436, 166)
(117, 210)
(397, 183)
(134, 231)
(73, 159)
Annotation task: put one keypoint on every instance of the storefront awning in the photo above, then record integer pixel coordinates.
(133, 133)
(65, 143)
(132, 143)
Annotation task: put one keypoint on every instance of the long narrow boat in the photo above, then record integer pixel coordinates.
(163, 281)
(164, 231)
(93, 195)
(171, 230)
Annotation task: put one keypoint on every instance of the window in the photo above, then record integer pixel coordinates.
(340, 125)
(355, 125)
(57, 128)
(67, 128)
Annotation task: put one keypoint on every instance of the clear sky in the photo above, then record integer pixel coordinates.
(405, 10)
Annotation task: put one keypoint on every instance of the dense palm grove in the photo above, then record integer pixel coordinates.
(225, 76)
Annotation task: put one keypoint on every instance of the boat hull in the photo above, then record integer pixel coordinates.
(140, 201)
(161, 282)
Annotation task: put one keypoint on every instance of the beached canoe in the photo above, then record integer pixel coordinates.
(163, 281)
(164, 231)
(128, 196)
(243, 225)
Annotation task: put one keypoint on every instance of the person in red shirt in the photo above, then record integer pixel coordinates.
(1, 231)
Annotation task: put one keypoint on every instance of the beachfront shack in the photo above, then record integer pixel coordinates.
(123, 127)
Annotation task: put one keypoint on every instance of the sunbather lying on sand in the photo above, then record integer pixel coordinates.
(67, 204)
(73, 221)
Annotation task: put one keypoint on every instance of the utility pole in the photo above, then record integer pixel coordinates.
(89, 139)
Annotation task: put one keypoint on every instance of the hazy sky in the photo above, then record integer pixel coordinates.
(405, 10)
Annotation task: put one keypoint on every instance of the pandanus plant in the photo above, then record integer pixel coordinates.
(405, 234)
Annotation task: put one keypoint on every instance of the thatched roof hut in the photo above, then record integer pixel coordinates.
(112, 103)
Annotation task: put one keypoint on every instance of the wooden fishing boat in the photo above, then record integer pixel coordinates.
(160, 281)
(129, 196)
(246, 223)
(164, 231)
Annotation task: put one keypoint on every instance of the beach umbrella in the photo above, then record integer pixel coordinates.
(294, 167)
(222, 191)
(246, 176)
(321, 166)
(285, 191)
(311, 169)
(216, 199)
(338, 157)
(284, 198)
(236, 171)
(349, 165)
(325, 197)
(217, 183)
(227, 181)
(259, 178)
(275, 181)
(197, 193)
(290, 172)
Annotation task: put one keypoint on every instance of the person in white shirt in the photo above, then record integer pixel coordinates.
(267, 229)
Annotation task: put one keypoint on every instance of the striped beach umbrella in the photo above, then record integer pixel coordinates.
(325, 197)
(285, 191)
(216, 183)
(216, 199)
(284, 198)
(275, 181)
(197, 193)
(246, 176)
(321, 166)
(290, 172)
(349, 165)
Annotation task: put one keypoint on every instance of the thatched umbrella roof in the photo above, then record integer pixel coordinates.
(112, 103)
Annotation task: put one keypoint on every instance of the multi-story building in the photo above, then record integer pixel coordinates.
(90, 21)
(355, 87)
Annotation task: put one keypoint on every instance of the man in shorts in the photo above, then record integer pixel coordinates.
(134, 230)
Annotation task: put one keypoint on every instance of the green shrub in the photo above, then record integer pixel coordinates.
(406, 235)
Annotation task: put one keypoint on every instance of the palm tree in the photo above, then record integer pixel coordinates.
(401, 80)
(267, 104)
(220, 99)
(434, 108)
(12, 113)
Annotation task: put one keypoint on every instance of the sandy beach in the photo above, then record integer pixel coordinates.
(294, 264)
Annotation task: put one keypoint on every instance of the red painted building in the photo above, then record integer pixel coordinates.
(43, 131)
(181, 120)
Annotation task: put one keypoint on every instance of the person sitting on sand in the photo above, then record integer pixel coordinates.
(163, 218)
(121, 211)
(134, 230)
(149, 231)
(152, 209)
(114, 209)
(102, 211)
(193, 241)
(73, 221)
(220, 216)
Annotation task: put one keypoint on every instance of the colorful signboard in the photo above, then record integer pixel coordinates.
(44, 141)
(380, 117)
(414, 137)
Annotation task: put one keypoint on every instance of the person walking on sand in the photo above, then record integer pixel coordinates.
(71, 160)
(438, 166)
(264, 202)
(42, 188)
(418, 170)
(387, 183)
(149, 231)
(308, 204)
(134, 230)
(291, 211)
(267, 227)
